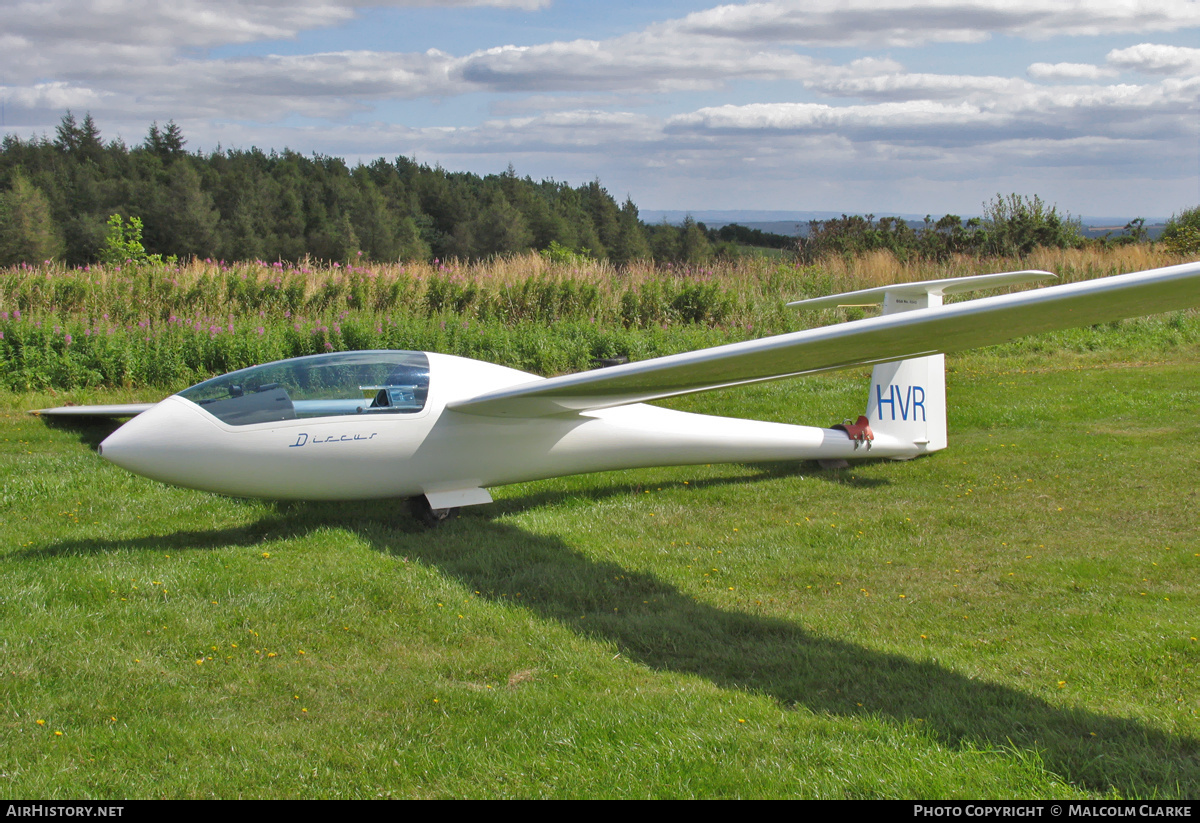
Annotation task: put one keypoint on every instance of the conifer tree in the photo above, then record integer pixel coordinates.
(67, 133)
(693, 244)
(28, 233)
(631, 239)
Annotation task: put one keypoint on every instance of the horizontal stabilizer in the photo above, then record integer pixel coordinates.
(915, 291)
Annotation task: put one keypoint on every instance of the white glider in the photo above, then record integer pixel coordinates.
(378, 424)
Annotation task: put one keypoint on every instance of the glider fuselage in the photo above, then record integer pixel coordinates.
(438, 450)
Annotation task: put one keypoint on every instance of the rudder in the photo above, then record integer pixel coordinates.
(907, 401)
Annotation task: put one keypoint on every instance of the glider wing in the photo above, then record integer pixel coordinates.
(112, 411)
(900, 336)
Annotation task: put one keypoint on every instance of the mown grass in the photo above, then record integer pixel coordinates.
(1013, 617)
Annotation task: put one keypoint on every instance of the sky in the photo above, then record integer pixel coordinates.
(882, 106)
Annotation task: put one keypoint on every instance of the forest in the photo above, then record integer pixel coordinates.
(247, 204)
(78, 200)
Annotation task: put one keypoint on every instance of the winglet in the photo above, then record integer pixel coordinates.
(924, 294)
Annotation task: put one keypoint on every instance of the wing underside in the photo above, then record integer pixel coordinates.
(114, 411)
(950, 328)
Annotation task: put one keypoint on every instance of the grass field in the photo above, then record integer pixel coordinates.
(1014, 617)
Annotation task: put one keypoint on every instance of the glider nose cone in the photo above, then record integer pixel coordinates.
(152, 443)
(118, 446)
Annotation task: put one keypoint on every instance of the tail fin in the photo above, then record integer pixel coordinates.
(907, 400)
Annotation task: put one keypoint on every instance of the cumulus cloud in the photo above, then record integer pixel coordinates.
(642, 61)
(54, 97)
(187, 23)
(905, 86)
(1156, 59)
(277, 84)
(917, 22)
(821, 117)
(79, 36)
(91, 46)
(1069, 71)
(1020, 111)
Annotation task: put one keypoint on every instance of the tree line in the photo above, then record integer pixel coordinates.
(58, 198)
(1011, 226)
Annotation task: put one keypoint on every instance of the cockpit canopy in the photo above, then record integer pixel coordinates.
(322, 385)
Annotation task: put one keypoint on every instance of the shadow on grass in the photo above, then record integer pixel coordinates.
(654, 623)
(658, 625)
(90, 431)
(750, 473)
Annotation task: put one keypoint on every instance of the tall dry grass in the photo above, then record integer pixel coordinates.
(881, 267)
(208, 285)
(172, 324)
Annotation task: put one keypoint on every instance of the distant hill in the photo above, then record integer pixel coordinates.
(784, 221)
(795, 223)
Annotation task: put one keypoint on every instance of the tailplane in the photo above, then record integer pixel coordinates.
(907, 400)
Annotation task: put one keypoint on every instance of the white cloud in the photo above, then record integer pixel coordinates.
(645, 61)
(95, 50)
(820, 117)
(262, 88)
(54, 97)
(1069, 71)
(281, 81)
(1019, 111)
(903, 86)
(1156, 59)
(887, 23)
(183, 23)
(82, 37)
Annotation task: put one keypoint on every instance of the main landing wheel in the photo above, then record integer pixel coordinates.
(428, 515)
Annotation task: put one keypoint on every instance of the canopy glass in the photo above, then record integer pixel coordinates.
(322, 385)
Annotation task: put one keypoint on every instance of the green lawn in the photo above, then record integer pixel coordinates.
(1014, 617)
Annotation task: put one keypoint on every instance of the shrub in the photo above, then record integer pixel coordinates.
(123, 242)
(1182, 234)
